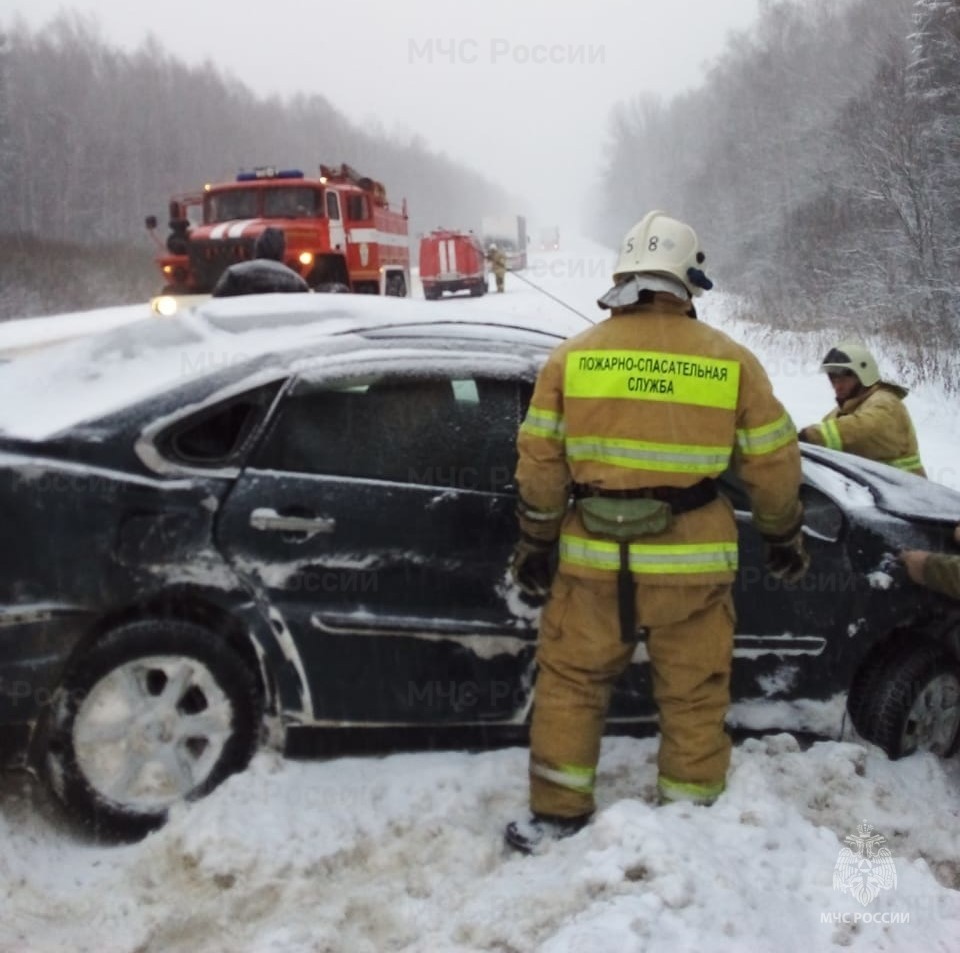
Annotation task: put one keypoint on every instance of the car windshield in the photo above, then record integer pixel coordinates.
(230, 205)
(279, 202)
(289, 202)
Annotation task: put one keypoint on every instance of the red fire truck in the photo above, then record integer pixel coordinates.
(339, 229)
(451, 261)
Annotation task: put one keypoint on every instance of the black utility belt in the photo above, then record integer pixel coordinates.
(680, 499)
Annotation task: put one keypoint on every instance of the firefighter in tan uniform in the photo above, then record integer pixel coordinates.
(870, 419)
(633, 421)
(498, 261)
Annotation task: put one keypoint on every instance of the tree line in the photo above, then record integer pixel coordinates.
(93, 139)
(820, 163)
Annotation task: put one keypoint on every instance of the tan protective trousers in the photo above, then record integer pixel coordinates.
(580, 655)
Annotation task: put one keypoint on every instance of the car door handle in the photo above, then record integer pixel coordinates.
(265, 518)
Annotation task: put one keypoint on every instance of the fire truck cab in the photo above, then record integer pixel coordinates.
(339, 230)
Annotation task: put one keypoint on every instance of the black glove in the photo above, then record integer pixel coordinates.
(787, 558)
(531, 567)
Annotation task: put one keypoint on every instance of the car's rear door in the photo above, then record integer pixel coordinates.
(377, 518)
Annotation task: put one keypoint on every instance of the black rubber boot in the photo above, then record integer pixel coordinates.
(532, 836)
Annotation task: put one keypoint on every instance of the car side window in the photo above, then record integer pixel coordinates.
(333, 206)
(357, 208)
(821, 515)
(216, 435)
(458, 432)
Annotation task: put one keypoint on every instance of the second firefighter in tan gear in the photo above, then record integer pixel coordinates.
(498, 261)
(870, 419)
(649, 402)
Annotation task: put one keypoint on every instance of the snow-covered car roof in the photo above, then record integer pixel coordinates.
(47, 391)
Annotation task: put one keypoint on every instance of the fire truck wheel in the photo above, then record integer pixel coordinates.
(396, 286)
(478, 289)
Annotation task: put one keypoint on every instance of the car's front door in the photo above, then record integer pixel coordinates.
(787, 634)
(377, 518)
(335, 223)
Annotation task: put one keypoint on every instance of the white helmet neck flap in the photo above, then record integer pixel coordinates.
(657, 254)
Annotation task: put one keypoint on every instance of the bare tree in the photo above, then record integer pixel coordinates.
(100, 138)
(820, 162)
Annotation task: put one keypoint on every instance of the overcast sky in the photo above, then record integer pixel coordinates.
(521, 89)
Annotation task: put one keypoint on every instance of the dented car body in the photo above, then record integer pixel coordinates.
(302, 512)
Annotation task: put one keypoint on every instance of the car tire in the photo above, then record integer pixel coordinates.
(155, 713)
(873, 669)
(912, 702)
(396, 286)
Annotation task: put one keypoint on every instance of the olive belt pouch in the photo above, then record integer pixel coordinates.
(624, 519)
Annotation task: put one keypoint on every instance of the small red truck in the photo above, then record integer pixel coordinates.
(452, 261)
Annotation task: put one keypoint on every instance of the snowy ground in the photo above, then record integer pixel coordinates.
(403, 852)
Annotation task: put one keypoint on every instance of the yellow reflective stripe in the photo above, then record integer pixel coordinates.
(526, 511)
(650, 557)
(907, 463)
(572, 776)
(755, 441)
(652, 375)
(688, 790)
(543, 516)
(543, 423)
(831, 435)
(643, 455)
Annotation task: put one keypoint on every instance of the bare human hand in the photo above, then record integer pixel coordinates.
(914, 561)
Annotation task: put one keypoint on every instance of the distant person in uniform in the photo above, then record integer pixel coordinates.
(498, 261)
(870, 419)
(265, 273)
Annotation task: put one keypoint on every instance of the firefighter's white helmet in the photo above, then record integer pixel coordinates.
(658, 254)
(853, 357)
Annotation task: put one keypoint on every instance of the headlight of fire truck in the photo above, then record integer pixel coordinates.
(175, 273)
(305, 258)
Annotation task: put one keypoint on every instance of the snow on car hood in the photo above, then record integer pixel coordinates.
(53, 388)
(894, 491)
(27, 334)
